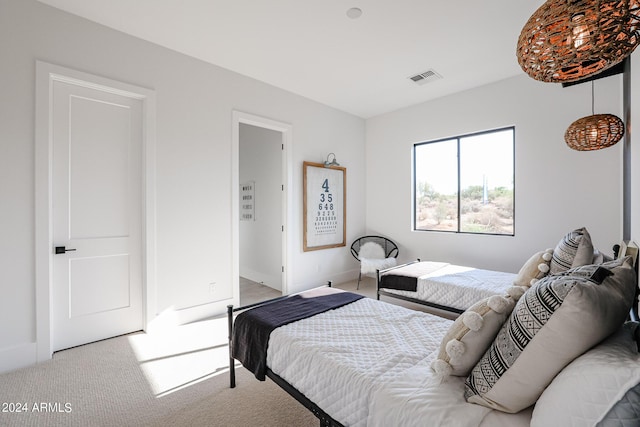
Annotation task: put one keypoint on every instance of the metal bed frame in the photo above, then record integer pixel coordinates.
(325, 419)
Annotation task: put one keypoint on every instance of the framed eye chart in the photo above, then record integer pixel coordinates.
(324, 201)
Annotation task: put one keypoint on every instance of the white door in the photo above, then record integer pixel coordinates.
(97, 214)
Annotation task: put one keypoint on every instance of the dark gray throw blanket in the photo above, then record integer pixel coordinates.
(252, 328)
(401, 283)
(405, 278)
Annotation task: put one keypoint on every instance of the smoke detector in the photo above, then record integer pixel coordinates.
(425, 77)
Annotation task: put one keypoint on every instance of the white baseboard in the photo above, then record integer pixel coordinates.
(17, 357)
(263, 278)
(176, 317)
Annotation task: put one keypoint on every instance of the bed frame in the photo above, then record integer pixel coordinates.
(325, 419)
(381, 291)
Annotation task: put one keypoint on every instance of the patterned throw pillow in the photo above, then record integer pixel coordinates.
(557, 319)
(472, 333)
(573, 250)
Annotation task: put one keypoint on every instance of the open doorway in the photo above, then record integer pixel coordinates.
(263, 194)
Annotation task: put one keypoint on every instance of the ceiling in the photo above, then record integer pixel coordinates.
(312, 48)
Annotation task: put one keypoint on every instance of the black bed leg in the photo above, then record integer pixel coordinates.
(232, 364)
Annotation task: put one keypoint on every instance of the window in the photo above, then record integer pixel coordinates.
(465, 184)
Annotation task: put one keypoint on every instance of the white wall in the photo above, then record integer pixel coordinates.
(556, 189)
(195, 101)
(261, 237)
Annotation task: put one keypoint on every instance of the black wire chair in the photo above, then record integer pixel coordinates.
(389, 247)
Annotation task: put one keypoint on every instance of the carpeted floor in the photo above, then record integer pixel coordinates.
(174, 378)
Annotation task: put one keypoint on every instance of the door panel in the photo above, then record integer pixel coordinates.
(99, 168)
(97, 210)
(108, 289)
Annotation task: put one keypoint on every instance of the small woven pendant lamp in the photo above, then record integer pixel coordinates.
(594, 132)
(567, 40)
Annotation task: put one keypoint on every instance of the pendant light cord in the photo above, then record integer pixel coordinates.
(592, 100)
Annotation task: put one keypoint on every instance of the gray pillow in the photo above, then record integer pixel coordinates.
(625, 413)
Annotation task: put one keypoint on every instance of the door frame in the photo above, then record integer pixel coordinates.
(46, 75)
(238, 118)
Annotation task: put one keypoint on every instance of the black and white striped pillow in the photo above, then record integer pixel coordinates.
(574, 250)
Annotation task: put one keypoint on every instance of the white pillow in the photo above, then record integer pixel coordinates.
(371, 250)
(584, 391)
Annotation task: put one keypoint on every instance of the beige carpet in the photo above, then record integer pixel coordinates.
(175, 378)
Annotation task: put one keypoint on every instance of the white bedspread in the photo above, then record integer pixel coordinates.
(367, 364)
(457, 286)
(339, 358)
(416, 399)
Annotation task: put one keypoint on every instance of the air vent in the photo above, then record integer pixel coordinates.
(425, 77)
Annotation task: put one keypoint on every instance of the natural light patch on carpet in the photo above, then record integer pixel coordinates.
(173, 358)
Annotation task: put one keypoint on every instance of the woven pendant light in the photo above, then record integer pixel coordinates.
(594, 132)
(567, 40)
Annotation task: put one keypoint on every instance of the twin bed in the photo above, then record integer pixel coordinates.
(440, 285)
(361, 362)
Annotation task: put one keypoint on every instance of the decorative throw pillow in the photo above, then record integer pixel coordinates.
(557, 319)
(573, 250)
(596, 384)
(534, 269)
(472, 333)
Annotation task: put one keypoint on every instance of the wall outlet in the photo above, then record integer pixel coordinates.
(212, 287)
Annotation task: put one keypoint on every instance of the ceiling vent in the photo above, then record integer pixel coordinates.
(425, 77)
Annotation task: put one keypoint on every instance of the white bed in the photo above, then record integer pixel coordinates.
(447, 286)
(556, 353)
(371, 363)
(388, 374)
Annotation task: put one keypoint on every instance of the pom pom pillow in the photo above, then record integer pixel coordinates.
(534, 269)
(573, 250)
(472, 333)
(555, 321)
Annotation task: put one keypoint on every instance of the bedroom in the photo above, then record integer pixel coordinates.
(556, 189)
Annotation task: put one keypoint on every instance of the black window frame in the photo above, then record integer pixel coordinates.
(459, 216)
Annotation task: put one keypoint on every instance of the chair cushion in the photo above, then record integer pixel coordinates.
(371, 250)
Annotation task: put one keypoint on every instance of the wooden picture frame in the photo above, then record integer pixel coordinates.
(324, 205)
